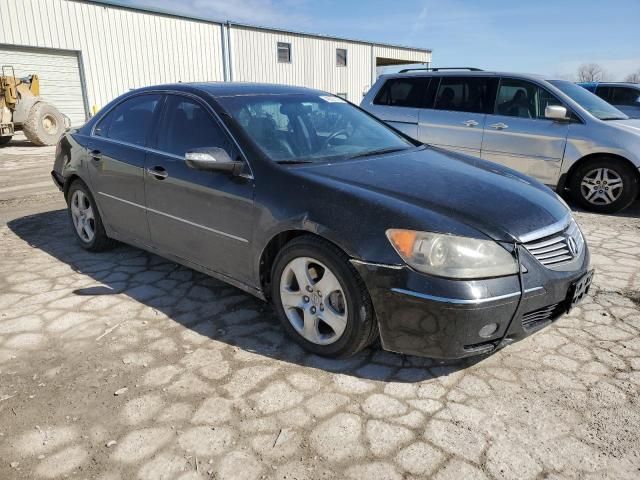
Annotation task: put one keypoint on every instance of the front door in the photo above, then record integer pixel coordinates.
(202, 216)
(519, 136)
(457, 119)
(116, 168)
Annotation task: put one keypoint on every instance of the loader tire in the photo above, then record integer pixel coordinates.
(44, 125)
(5, 140)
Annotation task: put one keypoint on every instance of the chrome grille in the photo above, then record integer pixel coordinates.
(542, 315)
(559, 248)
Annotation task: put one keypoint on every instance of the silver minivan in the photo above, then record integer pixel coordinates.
(553, 130)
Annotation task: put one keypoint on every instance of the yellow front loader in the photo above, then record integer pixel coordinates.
(22, 108)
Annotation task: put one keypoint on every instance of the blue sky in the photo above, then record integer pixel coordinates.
(539, 36)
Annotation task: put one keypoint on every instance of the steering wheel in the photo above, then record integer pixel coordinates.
(334, 135)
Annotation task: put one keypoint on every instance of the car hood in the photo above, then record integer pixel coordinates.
(497, 201)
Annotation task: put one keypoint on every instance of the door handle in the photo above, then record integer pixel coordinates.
(471, 123)
(159, 172)
(499, 126)
(96, 155)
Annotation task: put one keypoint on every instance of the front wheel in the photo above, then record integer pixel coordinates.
(320, 299)
(85, 218)
(604, 185)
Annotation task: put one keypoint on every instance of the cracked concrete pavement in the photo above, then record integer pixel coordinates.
(210, 387)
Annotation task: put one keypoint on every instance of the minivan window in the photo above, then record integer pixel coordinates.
(186, 125)
(130, 121)
(465, 94)
(524, 99)
(587, 100)
(625, 96)
(402, 92)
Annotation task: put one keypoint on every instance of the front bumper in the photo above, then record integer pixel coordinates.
(419, 314)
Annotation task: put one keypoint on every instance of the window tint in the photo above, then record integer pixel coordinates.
(186, 125)
(341, 57)
(284, 52)
(625, 96)
(130, 121)
(604, 93)
(464, 94)
(519, 98)
(402, 92)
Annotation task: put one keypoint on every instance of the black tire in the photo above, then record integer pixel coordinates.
(361, 326)
(6, 139)
(621, 168)
(100, 241)
(44, 125)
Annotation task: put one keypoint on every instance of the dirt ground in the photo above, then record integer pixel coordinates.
(124, 365)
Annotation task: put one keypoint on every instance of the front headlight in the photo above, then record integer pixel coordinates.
(452, 256)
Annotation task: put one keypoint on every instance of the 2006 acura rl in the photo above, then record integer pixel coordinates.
(351, 229)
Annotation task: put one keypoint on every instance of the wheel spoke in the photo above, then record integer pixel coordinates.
(89, 213)
(337, 321)
(290, 298)
(310, 327)
(328, 283)
(300, 267)
(86, 228)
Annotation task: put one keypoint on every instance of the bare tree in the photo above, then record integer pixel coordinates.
(590, 72)
(633, 77)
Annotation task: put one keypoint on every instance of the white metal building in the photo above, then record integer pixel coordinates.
(89, 51)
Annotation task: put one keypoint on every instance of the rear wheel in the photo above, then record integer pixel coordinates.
(604, 185)
(85, 218)
(320, 299)
(44, 125)
(5, 140)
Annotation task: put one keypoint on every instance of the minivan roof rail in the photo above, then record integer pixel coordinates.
(437, 69)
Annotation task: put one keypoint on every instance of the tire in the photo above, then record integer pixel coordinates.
(79, 197)
(44, 125)
(5, 140)
(604, 199)
(354, 309)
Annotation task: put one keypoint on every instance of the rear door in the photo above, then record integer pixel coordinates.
(519, 136)
(456, 120)
(117, 150)
(399, 101)
(202, 216)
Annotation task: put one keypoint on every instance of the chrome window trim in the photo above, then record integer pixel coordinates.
(462, 301)
(173, 217)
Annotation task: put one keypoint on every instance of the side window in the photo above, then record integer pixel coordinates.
(520, 98)
(625, 96)
(465, 94)
(186, 125)
(604, 93)
(130, 121)
(402, 92)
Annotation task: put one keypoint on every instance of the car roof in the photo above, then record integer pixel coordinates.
(229, 89)
(458, 73)
(613, 84)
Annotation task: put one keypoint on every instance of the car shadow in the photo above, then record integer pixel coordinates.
(207, 306)
(632, 211)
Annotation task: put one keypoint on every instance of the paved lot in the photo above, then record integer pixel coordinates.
(215, 390)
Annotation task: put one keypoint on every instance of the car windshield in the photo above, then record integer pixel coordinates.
(590, 102)
(300, 128)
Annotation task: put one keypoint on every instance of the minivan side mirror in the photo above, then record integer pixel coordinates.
(212, 159)
(555, 112)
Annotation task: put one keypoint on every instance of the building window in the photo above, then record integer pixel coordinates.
(284, 52)
(342, 95)
(341, 57)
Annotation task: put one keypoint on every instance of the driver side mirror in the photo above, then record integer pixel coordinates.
(556, 112)
(212, 159)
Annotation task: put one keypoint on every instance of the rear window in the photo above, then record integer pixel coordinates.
(403, 92)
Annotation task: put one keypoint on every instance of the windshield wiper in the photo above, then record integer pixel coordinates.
(614, 118)
(377, 152)
(292, 161)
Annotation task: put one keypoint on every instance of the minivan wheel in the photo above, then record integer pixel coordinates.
(322, 302)
(604, 185)
(85, 218)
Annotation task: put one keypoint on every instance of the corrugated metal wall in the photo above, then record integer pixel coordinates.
(120, 49)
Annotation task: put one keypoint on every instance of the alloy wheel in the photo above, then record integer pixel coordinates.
(313, 300)
(82, 216)
(601, 186)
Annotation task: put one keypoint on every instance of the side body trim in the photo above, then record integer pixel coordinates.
(462, 301)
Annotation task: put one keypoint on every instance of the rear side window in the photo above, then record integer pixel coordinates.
(403, 92)
(186, 125)
(625, 96)
(130, 121)
(465, 94)
(604, 93)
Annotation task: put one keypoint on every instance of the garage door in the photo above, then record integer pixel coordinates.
(59, 74)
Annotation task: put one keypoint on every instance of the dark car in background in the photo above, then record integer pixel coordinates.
(349, 227)
(625, 96)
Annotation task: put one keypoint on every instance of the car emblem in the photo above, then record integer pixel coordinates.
(573, 246)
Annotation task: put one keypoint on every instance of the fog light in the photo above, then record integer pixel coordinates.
(488, 330)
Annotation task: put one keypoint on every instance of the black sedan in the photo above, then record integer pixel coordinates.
(350, 228)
